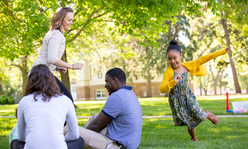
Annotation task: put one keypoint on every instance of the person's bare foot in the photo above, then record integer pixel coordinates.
(194, 139)
(214, 119)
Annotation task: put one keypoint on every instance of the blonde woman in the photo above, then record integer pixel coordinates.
(53, 46)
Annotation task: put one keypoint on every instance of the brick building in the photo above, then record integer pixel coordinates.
(91, 86)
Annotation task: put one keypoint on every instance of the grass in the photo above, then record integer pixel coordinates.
(159, 106)
(160, 133)
(229, 133)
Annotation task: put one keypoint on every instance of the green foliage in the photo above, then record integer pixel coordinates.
(5, 99)
(98, 25)
(22, 26)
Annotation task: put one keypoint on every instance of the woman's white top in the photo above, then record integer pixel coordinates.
(45, 120)
(52, 49)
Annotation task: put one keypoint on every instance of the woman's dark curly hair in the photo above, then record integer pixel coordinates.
(42, 81)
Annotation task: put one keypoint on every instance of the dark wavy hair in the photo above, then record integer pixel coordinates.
(42, 81)
(173, 46)
(58, 18)
(117, 73)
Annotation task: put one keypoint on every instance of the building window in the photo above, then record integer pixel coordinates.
(99, 75)
(73, 88)
(100, 93)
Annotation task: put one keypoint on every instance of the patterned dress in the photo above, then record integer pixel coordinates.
(185, 108)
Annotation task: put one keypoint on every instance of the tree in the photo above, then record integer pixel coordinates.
(236, 11)
(206, 80)
(234, 72)
(24, 23)
(20, 32)
(217, 74)
(212, 29)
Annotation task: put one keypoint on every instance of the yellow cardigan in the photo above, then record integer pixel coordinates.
(194, 67)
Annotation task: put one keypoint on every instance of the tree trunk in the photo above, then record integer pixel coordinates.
(221, 82)
(235, 78)
(65, 79)
(1, 88)
(149, 78)
(215, 79)
(220, 88)
(24, 74)
(170, 31)
(200, 85)
(205, 91)
(149, 85)
(205, 85)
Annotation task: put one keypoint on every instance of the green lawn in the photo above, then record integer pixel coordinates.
(160, 106)
(230, 133)
(160, 132)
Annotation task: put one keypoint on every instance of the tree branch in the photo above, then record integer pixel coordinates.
(105, 21)
(104, 4)
(118, 1)
(10, 12)
(18, 66)
(86, 23)
(80, 30)
(176, 31)
(78, 10)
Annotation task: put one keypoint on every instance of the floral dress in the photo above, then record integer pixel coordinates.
(185, 108)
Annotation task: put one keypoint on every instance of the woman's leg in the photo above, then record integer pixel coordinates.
(192, 134)
(16, 144)
(76, 144)
(63, 89)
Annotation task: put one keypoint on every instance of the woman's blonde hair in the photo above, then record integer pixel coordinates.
(58, 18)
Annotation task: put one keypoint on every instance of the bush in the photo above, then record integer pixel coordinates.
(5, 99)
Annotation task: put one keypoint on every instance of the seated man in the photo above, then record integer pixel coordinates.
(121, 114)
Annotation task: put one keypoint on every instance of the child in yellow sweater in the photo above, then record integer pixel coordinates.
(185, 108)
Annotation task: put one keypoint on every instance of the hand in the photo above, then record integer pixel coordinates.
(77, 66)
(228, 49)
(61, 69)
(177, 77)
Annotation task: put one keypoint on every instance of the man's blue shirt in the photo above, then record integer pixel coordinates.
(124, 109)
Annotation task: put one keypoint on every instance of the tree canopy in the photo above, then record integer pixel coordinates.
(99, 25)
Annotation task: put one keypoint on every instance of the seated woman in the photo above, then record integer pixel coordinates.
(43, 111)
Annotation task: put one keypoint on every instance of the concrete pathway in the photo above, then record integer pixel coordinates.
(220, 116)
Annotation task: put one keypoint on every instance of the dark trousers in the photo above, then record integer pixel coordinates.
(63, 89)
(75, 144)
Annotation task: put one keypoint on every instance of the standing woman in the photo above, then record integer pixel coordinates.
(41, 115)
(53, 46)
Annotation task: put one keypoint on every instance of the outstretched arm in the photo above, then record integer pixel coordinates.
(211, 56)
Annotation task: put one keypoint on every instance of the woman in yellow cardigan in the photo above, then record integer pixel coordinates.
(185, 108)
